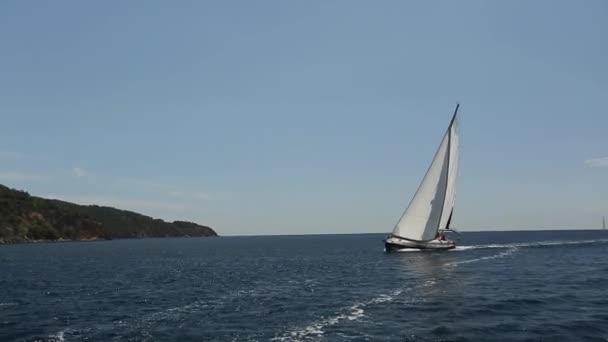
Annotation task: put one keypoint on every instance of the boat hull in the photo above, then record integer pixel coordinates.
(393, 244)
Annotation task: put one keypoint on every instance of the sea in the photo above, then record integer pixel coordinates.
(495, 286)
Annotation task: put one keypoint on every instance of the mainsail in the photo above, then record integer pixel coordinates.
(432, 206)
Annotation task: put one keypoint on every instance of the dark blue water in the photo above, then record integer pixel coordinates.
(499, 286)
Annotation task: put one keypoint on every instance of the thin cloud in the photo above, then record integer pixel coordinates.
(597, 162)
(168, 189)
(79, 172)
(12, 176)
(199, 196)
(187, 195)
(120, 203)
(175, 193)
(146, 184)
(202, 196)
(10, 155)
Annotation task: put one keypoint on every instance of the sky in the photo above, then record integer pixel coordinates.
(307, 117)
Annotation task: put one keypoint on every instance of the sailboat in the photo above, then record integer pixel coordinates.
(425, 220)
(604, 222)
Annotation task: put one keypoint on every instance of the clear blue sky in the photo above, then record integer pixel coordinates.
(267, 117)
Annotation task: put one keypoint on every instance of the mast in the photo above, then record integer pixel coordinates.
(454, 116)
(447, 226)
(603, 222)
(449, 168)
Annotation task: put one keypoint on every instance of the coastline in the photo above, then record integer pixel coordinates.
(93, 239)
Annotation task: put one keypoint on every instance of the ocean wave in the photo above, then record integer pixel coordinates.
(9, 304)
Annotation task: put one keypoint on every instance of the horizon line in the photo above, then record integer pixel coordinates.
(462, 231)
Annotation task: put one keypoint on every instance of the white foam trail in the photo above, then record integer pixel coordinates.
(466, 248)
(556, 243)
(408, 250)
(314, 330)
(514, 247)
(59, 337)
(528, 244)
(503, 254)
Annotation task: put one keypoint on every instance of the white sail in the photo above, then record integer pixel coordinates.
(432, 205)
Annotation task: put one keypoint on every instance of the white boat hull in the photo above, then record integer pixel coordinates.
(395, 244)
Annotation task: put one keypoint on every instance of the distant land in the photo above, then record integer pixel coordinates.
(26, 218)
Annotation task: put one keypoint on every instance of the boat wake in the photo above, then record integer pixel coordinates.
(468, 248)
(58, 337)
(509, 251)
(143, 324)
(557, 243)
(529, 244)
(514, 247)
(194, 307)
(314, 330)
